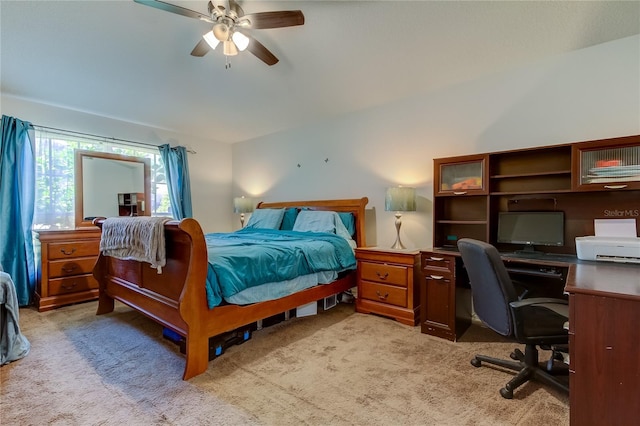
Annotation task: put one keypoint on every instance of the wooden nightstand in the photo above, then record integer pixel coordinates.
(67, 261)
(387, 283)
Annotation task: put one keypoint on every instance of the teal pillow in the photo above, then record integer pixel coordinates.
(349, 222)
(315, 221)
(322, 221)
(291, 214)
(289, 218)
(266, 219)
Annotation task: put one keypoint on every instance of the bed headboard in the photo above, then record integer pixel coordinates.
(355, 206)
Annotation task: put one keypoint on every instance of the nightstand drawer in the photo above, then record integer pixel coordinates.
(72, 284)
(73, 249)
(65, 268)
(384, 273)
(383, 293)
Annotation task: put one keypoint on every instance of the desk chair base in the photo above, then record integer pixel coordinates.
(528, 368)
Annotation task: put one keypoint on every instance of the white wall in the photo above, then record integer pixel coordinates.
(210, 167)
(584, 95)
(589, 94)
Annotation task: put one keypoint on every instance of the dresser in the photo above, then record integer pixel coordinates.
(67, 261)
(387, 283)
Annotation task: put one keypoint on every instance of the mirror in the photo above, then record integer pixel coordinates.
(110, 185)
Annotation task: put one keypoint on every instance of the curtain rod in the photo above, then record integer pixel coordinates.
(37, 126)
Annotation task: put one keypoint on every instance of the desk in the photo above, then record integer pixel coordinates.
(445, 295)
(604, 343)
(604, 328)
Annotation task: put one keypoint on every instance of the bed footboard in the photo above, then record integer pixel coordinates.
(160, 296)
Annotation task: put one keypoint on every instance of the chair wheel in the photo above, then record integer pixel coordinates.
(514, 356)
(506, 393)
(476, 362)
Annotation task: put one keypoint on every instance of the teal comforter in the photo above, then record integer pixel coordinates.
(251, 257)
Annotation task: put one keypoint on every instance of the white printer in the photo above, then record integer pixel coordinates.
(611, 249)
(616, 240)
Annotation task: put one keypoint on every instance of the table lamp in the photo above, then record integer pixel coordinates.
(400, 199)
(242, 205)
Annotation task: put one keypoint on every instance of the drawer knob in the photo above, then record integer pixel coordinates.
(380, 296)
(68, 253)
(615, 186)
(69, 287)
(436, 277)
(69, 269)
(459, 192)
(382, 277)
(437, 259)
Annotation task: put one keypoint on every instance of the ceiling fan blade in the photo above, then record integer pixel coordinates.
(201, 49)
(233, 5)
(261, 52)
(168, 7)
(279, 19)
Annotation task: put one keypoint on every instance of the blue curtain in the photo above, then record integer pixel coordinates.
(176, 169)
(17, 199)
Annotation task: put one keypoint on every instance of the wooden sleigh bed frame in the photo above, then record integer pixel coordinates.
(176, 298)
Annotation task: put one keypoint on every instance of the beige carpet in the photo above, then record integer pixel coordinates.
(335, 368)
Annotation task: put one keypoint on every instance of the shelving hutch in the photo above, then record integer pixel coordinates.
(586, 180)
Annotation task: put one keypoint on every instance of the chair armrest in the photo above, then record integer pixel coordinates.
(537, 301)
(559, 306)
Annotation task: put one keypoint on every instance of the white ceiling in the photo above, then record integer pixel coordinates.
(131, 62)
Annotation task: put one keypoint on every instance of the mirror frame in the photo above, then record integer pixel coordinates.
(79, 187)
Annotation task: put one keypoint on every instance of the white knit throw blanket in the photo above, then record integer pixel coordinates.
(135, 238)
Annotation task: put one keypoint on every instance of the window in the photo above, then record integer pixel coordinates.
(54, 153)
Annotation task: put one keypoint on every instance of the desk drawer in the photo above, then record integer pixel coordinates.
(72, 284)
(384, 273)
(69, 267)
(433, 261)
(383, 293)
(73, 249)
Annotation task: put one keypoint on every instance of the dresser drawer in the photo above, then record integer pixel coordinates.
(384, 273)
(69, 267)
(73, 249)
(72, 284)
(383, 293)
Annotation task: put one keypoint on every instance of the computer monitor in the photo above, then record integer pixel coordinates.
(531, 229)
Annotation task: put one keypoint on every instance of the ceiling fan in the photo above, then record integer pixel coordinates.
(230, 25)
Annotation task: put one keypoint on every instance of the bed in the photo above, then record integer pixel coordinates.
(177, 297)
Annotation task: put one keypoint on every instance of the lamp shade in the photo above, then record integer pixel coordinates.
(243, 205)
(211, 39)
(400, 199)
(241, 40)
(221, 31)
(229, 48)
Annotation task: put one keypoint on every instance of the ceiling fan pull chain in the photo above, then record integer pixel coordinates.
(227, 64)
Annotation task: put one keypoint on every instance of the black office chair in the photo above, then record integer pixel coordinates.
(533, 322)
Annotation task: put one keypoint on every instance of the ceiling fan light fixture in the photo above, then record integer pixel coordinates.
(221, 31)
(241, 41)
(211, 40)
(230, 48)
(226, 20)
